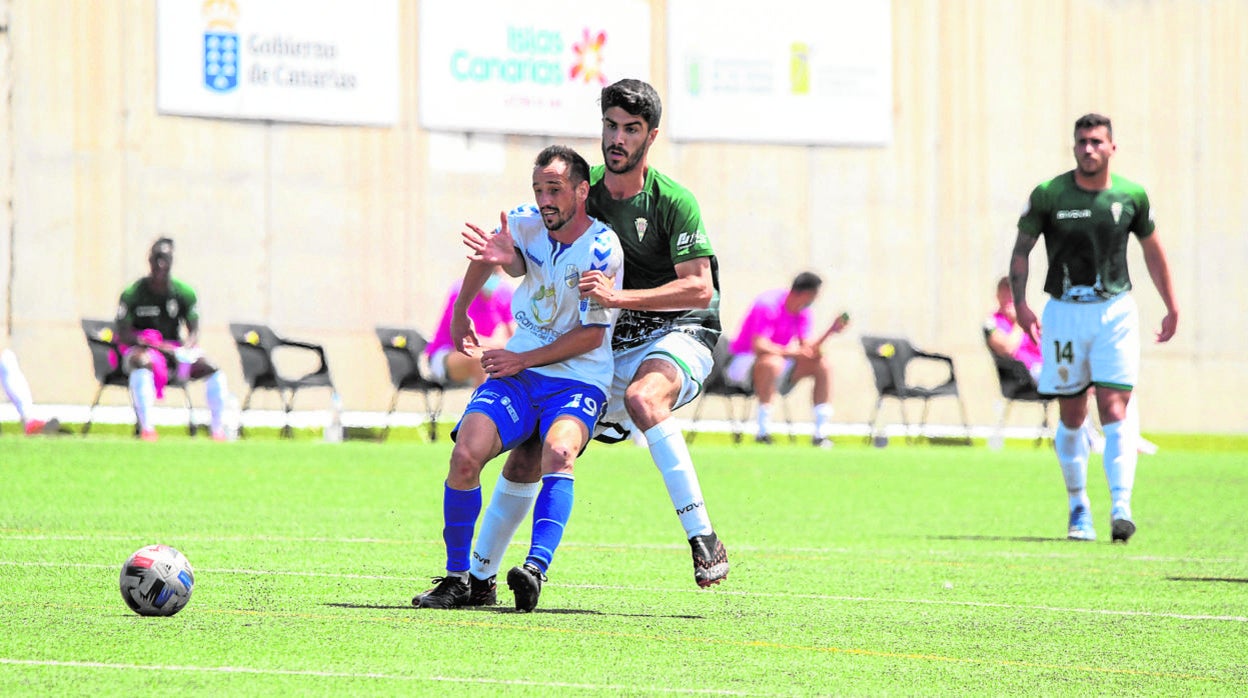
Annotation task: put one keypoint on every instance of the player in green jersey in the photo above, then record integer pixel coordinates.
(668, 323)
(150, 316)
(1091, 334)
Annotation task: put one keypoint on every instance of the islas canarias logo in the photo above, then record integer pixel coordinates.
(588, 58)
(220, 44)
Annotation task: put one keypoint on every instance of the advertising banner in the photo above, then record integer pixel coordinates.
(533, 67)
(320, 61)
(815, 72)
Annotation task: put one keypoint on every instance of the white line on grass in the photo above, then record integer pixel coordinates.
(662, 591)
(367, 675)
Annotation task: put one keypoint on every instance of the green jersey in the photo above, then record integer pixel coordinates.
(144, 309)
(658, 228)
(1086, 233)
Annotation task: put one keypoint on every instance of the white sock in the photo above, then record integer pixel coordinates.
(15, 385)
(509, 504)
(764, 419)
(143, 393)
(1120, 459)
(216, 392)
(671, 457)
(1072, 455)
(823, 415)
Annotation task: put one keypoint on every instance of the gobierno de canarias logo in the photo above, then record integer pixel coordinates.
(220, 44)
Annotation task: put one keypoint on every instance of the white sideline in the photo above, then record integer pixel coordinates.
(362, 675)
(163, 415)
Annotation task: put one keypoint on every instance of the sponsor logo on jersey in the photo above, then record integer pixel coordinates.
(147, 311)
(535, 260)
(687, 241)
(171, 307)
(1116, 210)
(541, 301)
(571, 276)
(1073, 213)
(641, 224)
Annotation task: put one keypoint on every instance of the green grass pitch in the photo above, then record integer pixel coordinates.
(908, 570)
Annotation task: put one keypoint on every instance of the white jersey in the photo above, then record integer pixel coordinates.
(548, 305)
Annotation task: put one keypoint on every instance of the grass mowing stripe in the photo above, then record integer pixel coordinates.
(717, 592)
(366, 675)
(710, 641)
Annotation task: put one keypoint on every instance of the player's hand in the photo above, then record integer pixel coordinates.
(598, 287)
(807, 351)
(1169, 325)
(464, 335)
(500, 363)
(1028, 321)
(839, 324)
(490, 247)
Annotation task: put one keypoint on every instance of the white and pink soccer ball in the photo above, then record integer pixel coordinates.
(157, 581)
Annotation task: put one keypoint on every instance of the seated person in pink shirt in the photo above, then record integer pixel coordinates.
(1006, 337)
(490, 313)
(774, 350)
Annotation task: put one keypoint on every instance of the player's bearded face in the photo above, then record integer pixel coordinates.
(554, 195)
(619, 159)
(1092, 150)
(625, 140)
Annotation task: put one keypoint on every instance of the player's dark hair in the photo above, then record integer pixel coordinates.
(635, 97)
(806, 281)
(1092, 121)
(578, 168)
(162, 246)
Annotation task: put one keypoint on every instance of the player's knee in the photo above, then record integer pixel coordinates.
(465, 468)
(559, 458)
(139, 358)
(645, 406)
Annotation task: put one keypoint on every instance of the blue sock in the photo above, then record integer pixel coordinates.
(550, 517)
(459, 512)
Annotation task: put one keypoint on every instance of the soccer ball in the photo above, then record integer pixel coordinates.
(157, 581)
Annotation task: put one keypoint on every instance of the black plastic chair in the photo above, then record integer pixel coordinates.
(890, 359)
(739, 397)
(717, 385)
(1017, 385)
(101, 340)
(256, 345)
(404, 350)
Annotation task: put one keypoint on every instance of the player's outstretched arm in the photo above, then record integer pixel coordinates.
(692, 289)
(1159, 270)
(494, 247)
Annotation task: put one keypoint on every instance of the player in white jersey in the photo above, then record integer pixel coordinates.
(550, 380)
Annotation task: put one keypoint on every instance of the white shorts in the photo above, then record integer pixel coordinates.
(437, 365)
(691, 358)
(1089, 344)
(740, 373)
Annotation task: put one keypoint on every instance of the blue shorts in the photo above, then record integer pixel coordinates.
(528, 403)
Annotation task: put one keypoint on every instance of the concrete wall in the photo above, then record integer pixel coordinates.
(324, 232)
